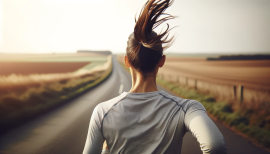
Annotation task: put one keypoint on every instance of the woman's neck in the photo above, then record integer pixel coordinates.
(142, 84)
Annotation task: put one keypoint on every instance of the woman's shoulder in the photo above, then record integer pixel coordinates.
(104, 107)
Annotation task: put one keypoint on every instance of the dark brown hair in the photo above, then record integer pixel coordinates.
(145, 47)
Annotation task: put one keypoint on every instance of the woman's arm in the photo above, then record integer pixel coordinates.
(203, 128)
(95, 140)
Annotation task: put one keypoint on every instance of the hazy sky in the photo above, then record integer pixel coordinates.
(205, 26)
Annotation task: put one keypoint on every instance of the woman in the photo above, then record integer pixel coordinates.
(146, 120)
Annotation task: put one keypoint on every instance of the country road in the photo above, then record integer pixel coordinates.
(64, 130)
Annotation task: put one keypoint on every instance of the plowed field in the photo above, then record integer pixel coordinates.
(250, 73)
(26, 68)
(26, 64)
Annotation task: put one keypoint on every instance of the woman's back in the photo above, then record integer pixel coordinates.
(152, 122)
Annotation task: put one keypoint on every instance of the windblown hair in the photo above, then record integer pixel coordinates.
(145, 47)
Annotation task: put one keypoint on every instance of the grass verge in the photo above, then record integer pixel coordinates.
(223, 112)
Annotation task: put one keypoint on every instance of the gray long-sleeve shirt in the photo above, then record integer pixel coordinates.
(152, 122)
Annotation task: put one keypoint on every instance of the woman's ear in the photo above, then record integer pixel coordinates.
(162, 61)
(126, 61)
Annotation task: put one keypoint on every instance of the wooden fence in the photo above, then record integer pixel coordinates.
(226, 92)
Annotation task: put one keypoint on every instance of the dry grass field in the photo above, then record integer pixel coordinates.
(17, 70)
(32, 84)
(249, 73)
(222, 79)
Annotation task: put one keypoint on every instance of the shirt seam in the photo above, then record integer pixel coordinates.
(107, 113)
(187, 100)
(180, 106)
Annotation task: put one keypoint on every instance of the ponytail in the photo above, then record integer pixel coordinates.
(145, 47)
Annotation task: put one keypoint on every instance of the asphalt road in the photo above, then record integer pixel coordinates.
(64, 130)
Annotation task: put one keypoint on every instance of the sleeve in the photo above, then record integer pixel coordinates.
(203, 128)
(105, 151)
(95, 140)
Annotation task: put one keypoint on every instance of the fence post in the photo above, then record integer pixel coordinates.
(195, 84)
(234, 92)
(241, 90)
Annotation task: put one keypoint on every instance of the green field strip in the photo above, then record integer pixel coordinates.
(92, 65)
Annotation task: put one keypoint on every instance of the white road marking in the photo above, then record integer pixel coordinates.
(121, 88)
